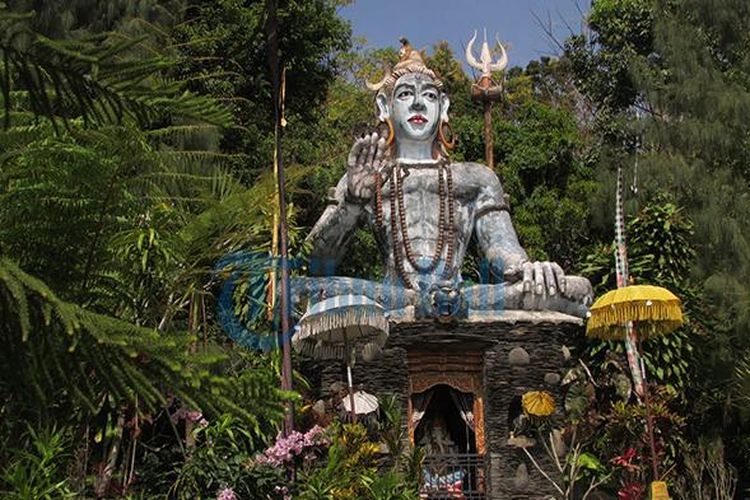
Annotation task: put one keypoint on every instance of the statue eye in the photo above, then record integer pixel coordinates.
(405, 93)
(431, 95)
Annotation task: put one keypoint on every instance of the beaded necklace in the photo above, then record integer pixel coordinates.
(446, 221)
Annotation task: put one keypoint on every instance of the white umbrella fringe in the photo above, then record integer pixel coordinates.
(321, 335)
(332, 328)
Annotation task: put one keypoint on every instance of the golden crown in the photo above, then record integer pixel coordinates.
(411, 62)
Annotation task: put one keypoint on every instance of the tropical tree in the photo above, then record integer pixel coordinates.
(668, 82)
(101, 198)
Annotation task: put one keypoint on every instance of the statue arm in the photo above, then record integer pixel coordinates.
(334, 230)
(534, 285)
(497, 239)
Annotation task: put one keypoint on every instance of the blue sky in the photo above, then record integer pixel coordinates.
(425, 22)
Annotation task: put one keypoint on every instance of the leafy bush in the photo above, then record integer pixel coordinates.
(223, 458)
(38, 470)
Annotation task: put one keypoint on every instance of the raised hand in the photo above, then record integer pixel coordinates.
(367, 156)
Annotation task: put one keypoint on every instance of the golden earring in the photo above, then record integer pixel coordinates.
(391, 133)
(447, 145)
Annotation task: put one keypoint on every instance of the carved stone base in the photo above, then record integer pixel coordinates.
(495, 357)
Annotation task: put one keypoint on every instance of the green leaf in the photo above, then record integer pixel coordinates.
(588, 461)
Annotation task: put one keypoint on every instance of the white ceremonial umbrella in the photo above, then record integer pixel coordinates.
(334, 327)
(364, 403)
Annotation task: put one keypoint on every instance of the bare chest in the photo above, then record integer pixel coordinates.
(428, 185)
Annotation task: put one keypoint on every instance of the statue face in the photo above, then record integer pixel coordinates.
(415, 108)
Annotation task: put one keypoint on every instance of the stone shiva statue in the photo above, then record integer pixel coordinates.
(423, 210)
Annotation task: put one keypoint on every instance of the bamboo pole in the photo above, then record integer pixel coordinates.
(632, 344)
(272, 37)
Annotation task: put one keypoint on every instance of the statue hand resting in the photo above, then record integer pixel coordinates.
(366, 158)
(548, 278)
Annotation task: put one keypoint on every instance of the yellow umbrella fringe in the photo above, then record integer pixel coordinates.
(653, 309)
(651, 320)
(645, 331)
(635, 311)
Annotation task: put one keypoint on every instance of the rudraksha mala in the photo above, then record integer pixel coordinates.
(446, 222)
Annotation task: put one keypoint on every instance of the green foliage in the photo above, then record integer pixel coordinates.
(350, 471)
(390, 486)
(224, 49)
(624, 424)
(407, 468)
(90, 79)
(46, 337)
(222, 459)
(392, 432)
(660, 236)
(76, 18)
(538, 148)
(116, 202)
(620, 31)
(37, 470)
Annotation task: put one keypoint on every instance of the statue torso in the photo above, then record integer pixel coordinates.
(416, 202)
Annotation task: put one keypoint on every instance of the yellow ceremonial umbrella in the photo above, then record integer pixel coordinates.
(538, 403)
(655, 310)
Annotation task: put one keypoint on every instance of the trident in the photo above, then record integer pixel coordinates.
(486, 90)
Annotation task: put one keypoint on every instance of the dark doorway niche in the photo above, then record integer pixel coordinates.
(443, 417)
(515, 415)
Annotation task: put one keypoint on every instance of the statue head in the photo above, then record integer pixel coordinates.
(438, 422)
(412, 99)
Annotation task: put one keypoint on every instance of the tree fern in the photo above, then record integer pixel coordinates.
(92, 78)
(54, 350)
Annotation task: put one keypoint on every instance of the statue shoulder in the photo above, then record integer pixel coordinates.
(476, 173)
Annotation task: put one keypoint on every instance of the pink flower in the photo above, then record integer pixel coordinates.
(296, 444)
(184, 413)
(284, 491)
(226, 494)
(194, 416)
(626, 460)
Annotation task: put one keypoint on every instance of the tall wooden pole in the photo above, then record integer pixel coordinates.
(485, 92)
(272, 38)
(488, 151)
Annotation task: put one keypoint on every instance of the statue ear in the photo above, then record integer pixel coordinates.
(445, 103)
(381, 101)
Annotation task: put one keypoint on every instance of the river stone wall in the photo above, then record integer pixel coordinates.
(521, 351)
